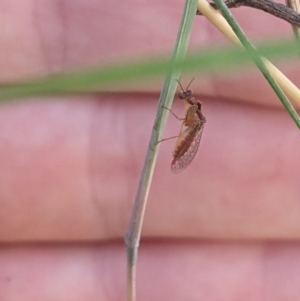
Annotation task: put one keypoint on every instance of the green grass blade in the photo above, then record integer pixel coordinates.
(133, 233)
(105, 77)
(258, 60)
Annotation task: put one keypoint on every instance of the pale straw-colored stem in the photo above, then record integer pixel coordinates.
(218, 20)
(294, 4)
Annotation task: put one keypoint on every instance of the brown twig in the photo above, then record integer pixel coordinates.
(276, 9)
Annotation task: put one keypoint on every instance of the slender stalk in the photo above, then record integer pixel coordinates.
(237, 36)
(133, 234)
(294, 4)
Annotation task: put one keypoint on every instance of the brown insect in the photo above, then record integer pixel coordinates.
(188, 141)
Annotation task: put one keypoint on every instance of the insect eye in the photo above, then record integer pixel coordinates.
(182, 95)
(189, 93)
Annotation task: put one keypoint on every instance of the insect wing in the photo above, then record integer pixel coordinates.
(179, 164)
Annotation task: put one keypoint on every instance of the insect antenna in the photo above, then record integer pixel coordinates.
(187, 86)
(190, 83)
(179, 84)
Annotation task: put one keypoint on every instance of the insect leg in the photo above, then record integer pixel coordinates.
(163, 140)
(173, 113)
(173, 137)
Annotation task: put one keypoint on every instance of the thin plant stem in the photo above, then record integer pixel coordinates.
(237, 36)
(294, 4)
(133, 233)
